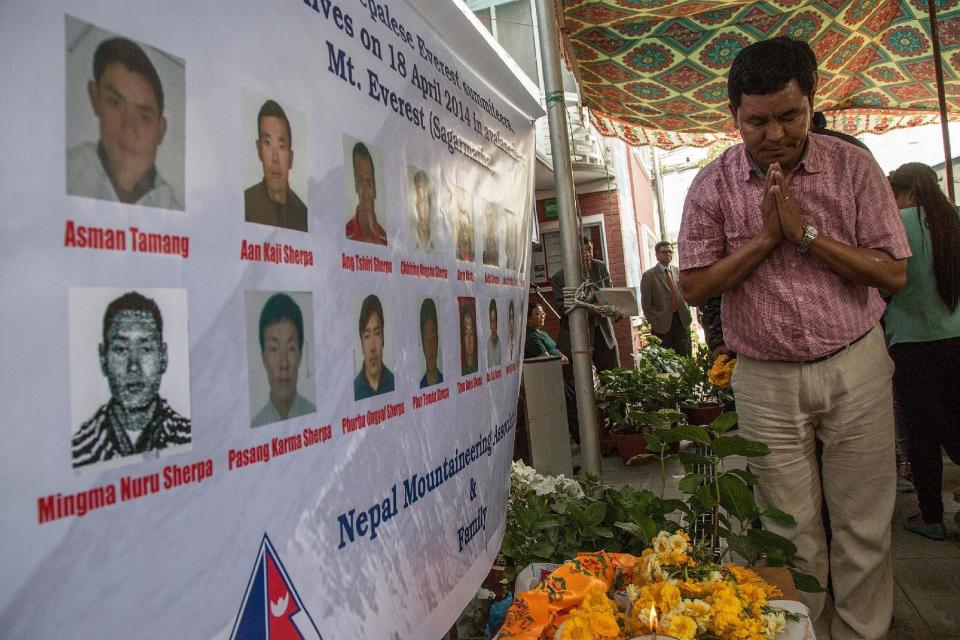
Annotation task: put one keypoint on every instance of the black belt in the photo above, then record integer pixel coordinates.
(833, 353)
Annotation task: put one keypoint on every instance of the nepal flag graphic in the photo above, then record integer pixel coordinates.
(272, 609)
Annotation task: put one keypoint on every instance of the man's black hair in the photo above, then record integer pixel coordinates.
(661, 244)
(768, 66)
(280, 307)
(419, 178)
(130, 55)
(510, 310)
(132, 301)
(371, 305)
(428, 311)
(468, 311)
(493, 306)
(271, 109)
(360, 151)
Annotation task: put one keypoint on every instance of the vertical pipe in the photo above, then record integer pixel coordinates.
(941, 99)
(658, 185)
(569, 242)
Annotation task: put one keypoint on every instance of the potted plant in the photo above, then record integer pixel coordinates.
(551, 518)
(703, 386)
(630, 435)
(626, 395)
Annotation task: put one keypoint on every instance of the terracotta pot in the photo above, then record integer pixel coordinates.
(704, 414)
(630, 445)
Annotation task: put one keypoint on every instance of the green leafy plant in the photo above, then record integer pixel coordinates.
(726, 495)
(551, 518)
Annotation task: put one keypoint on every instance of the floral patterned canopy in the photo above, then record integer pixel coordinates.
(654, 71)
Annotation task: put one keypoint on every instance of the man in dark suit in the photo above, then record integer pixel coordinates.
(662, 302)
(606, 354)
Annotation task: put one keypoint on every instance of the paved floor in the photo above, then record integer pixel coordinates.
(927, 573)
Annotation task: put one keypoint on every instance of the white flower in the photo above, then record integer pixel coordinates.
(714, 576)
(544, 487)
(633, 592)
(775, 622)
(697, 609)
(523, 473)
(677, 543)
(661, 542)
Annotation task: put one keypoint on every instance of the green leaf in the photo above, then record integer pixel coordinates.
(778, 516)
(691, 482)
(688, 457)
(595, 513)
(543, 549)
(692, 432)
(724, 422)
(805, 582)
(736, 446)
(604, 532)
(550, 523)
(767, 540)
(744, 547)
(705, 497)
(654, 444)
(750, 478)
(736, 497)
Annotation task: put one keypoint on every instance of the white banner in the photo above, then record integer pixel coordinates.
(264, 274)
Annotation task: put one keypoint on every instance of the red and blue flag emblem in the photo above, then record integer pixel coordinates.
(272, 609)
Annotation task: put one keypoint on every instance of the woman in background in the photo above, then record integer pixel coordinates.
(922, 325)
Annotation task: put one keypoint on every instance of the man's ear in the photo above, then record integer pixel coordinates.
(93, 93)
(163, 130)
(163, 358)
(733, 112)
(103, 359)
(291, 160)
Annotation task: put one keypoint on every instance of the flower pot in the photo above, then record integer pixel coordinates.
(494, 581)
(630, 445)
(704, 414)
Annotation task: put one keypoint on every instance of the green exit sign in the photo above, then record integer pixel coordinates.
(550, 208)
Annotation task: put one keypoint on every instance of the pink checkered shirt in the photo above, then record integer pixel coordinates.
(792, 307)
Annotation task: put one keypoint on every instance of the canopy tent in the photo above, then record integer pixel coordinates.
(654, 71)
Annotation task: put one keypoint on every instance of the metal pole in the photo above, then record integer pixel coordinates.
(658, 185)
(569, 242)
(942, 99)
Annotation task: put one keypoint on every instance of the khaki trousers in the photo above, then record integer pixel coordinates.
(845, 402)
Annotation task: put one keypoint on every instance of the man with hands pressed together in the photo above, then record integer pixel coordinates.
(799, 231)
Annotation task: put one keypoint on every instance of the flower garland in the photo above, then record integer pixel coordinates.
(691, 600)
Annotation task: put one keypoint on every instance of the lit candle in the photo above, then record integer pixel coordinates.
(654, 627)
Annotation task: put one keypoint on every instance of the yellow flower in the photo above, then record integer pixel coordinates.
(721, 371)
(682, 627)
(594, 619)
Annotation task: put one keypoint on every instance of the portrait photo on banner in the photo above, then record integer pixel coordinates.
(280, 355)
(491, 233)
(431, 351)
(125, 107)
(129, 375)
(467, 309)
(275, 162)
(373, 350)
(464, 223)
(510, 247)
(364, 180)
(494, 343)
(426, 225)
